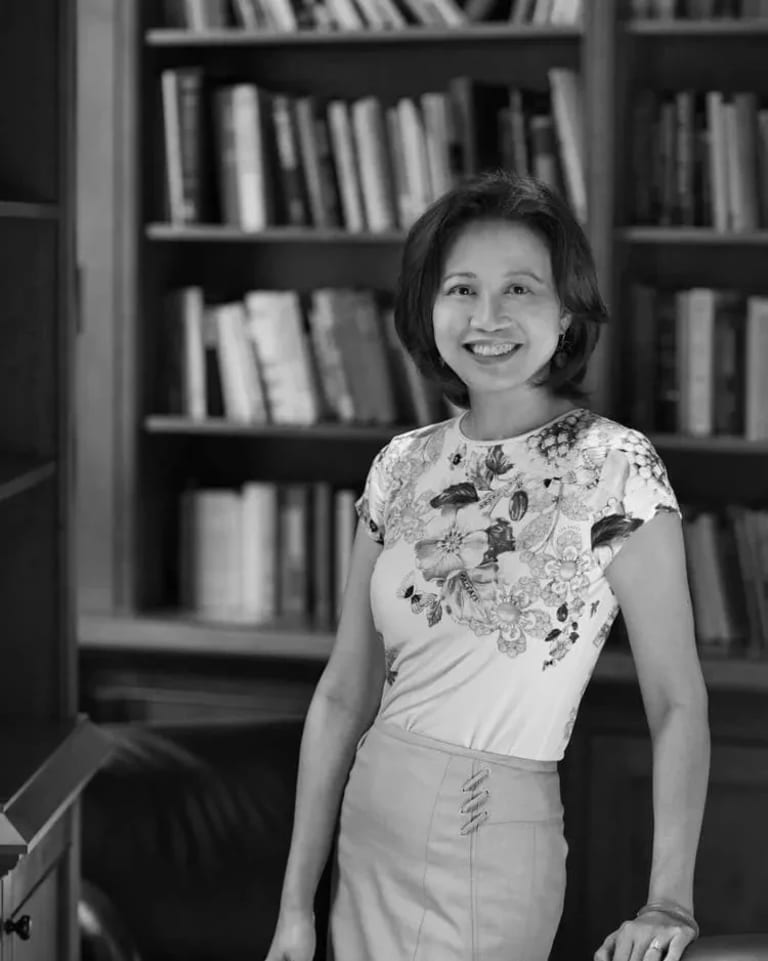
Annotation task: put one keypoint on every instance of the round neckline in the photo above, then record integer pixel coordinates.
(514, 437)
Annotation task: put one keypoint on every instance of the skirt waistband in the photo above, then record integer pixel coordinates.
(487, 757)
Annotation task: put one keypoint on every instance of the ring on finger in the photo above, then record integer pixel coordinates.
(655, 945)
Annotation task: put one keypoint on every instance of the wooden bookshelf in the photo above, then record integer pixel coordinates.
(148, 252)
(614, 58)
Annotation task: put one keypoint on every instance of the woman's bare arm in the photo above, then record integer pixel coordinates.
(649, 578)
(343, 707)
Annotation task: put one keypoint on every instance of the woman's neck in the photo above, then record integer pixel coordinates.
(487, 419)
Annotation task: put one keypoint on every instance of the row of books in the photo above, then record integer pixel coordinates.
(701, 158)
(268, 552)
(359, 165)
(265, 552)
(293, 15)
(698, 9)
(699, 362)
(278, 357)
(727, 557)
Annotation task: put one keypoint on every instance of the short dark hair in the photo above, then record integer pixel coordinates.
(499, 195)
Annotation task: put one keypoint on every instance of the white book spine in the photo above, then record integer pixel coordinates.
(250, 158)
(234, 385)
(212, 553)
(567, 110)
(718, 160)
(172, 136)
(434, 108)
(259, 543)
(701, 361)
(193, 345)
(415, 153)
(756, 369)
(368, 127)
(275, 327)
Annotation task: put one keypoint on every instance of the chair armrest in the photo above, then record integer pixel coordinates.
(729, 947)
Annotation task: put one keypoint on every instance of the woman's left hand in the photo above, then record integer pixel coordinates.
(652, 937)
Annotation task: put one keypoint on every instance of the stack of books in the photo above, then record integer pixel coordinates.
(279, 358)
(699, 362)
(266, 554)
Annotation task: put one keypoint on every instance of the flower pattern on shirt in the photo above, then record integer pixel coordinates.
(509, 551)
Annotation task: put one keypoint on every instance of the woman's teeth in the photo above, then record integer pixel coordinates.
(492, 350)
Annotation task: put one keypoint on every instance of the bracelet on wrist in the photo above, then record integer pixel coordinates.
(672, 910)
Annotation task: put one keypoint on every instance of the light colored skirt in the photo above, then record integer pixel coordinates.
(446, 854)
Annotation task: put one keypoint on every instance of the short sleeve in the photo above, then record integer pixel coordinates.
(371, 505)
(633, 489)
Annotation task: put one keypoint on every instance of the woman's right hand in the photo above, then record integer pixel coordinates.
(294, 938)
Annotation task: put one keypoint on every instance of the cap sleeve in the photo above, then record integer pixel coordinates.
(371, 506)
(633, 489)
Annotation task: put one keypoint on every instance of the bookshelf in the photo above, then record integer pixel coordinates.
(135, 513)
(48, 750)
(126, 571)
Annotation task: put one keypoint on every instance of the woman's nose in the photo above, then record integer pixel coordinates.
(487, 314)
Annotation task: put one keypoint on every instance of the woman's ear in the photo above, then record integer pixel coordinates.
(565, 322)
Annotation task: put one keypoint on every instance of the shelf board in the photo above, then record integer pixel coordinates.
(710, 445)
(726, 673)
(218, 233)
(18, 474)
(175, 634)
(409, 35)
(718, 28)
(21, 210)
(705, 236)
(219, 427)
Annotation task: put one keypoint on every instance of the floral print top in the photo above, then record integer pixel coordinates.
(490, 593)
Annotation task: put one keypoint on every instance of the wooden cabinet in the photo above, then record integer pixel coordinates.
(35, 926)
(47, 752)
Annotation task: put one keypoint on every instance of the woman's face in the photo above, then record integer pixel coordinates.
(497, 316)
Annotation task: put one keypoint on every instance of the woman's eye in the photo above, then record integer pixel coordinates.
(518, 289)
(460, 289)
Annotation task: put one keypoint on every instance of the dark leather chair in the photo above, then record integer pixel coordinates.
(185, 837)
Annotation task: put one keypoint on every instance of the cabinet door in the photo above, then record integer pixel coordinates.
(731, 884)
(46, 931)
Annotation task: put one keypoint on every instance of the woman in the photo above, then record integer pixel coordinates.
(493, 553)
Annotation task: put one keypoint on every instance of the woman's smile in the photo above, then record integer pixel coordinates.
(487, 353)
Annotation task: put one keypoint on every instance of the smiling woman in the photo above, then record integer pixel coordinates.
(494, 552)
